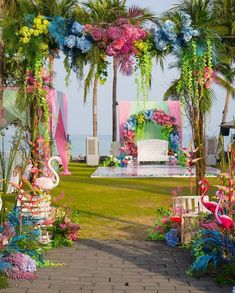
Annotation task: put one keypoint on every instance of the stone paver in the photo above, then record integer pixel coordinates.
(96, 266)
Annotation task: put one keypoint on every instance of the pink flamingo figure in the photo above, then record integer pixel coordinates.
(210, 205)
(45, 183)
(225, 221)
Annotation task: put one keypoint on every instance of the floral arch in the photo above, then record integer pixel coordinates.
(134, 126)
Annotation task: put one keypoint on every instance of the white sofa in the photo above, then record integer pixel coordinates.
(152, 150)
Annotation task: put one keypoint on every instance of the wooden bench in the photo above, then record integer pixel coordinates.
(190, 206)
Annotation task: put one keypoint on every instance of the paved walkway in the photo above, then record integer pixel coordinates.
(97, 266)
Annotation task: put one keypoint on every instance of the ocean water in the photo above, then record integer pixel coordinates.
(78, 143)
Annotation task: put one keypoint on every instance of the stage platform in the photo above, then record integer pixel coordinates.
(149, 171)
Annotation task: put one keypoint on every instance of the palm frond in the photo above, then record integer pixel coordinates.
(171, 92)
(89, 80)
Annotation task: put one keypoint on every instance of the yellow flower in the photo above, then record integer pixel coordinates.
(25, 40)
(37, 21)
(36, 33)
(43, 46)
(31, 31)
(46, 22)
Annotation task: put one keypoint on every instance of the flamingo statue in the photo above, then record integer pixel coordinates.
(225, 221)
(210, 205)
(45, 183)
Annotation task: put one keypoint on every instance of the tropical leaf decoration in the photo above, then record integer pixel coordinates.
(211, 247)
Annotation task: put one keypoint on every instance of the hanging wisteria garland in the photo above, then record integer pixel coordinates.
(135, 124)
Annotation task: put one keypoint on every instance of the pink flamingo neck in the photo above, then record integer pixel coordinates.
(221, 195)
(204, 186)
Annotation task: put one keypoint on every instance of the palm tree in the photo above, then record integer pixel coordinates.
(202, 18)
(224, 11)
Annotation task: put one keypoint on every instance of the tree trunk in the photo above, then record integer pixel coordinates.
(1, 63)
(94, 106)
(198, 129)
(115, 73)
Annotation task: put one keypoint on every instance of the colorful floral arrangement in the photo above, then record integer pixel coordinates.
(135, 124)
(63, 230)
(167, 226)
(166, 35)
(120, 161)
(118, 41)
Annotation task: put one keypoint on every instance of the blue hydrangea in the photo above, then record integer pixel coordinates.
(131, 123)
(149, 114)
(174, 140)
(168, 28)
(77, 29)
(187, 30)
(70, 41)
(172, 237)
(83, 44)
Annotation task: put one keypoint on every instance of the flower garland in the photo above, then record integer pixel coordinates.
(144, 62)
(118, 40)
(197, 73)
(135, 124)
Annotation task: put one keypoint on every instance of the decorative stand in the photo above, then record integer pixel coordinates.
(39, 207)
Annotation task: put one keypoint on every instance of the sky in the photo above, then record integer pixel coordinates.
(80, 114)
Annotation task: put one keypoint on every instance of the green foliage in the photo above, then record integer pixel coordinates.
(226, 276)
(144, 65)
(111, 161)
(161, 227)
(61, 230)
(3, 281)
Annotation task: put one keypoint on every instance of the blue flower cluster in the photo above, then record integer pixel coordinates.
(174, 141)
(131, 123)
(172, 237)
(187, 31)
(57, 30)
(77, 39)
(149, 114)
(165, 34)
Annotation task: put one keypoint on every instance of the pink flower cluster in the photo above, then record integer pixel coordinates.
(71, 230)
(129, 147)
(33, 84)
(162, 118)
(118, 41)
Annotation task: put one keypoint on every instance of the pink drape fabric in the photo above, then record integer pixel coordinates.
(61, 143)
(51, 100)
(124, 114)
(175, 111)
(58, 106)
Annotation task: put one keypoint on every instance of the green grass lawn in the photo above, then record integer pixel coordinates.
(116, 208)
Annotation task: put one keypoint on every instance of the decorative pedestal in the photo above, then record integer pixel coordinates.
(189, 227)
(40, 208)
